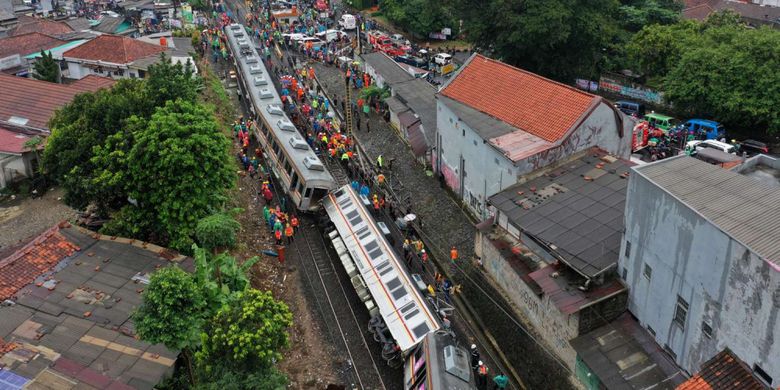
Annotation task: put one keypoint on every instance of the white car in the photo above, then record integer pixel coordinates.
(316, 42)
(348, 22)
(295, 37)
(442, 59)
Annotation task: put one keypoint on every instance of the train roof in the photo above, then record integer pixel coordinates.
(400, 304)
(269, 105)
(448, 364)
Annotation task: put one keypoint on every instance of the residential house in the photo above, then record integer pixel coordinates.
(412, 104)
(754, 14)
(118, 25)
(724, 371)
(14, 51)
(112, 56)
(26, 106)
(68, 299)
(701, 256)
(497, 123)
(552, 245)
(384, 71)
(412, 108)
(28, 24)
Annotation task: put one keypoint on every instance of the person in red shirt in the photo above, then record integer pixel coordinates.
(294, 223)
(278, 236)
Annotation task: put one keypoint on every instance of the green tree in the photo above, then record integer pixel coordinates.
(655, 49)
(220, 276)
(217, 231)
(178, 171)
(34, 145)
(171, 312)
(419, 17)
(374, 91)
(46, 68)
(248, 333)
(168, 81)
(635, 14)
(228, 378)
(555, 38)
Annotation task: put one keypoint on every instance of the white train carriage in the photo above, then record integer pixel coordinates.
(287, 153)
(377, 273)
(437, 363)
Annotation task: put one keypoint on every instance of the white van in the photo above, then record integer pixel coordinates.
(347, 22)
(329, 35)
(713, 144)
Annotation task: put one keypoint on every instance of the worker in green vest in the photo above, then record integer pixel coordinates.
(380, 161)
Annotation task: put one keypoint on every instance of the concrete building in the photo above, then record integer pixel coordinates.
(552, 246)
(757, 13)
(412, 108)
(16, 162)
(497, 123)
(384, 71)
(701, 256)
(66, 318)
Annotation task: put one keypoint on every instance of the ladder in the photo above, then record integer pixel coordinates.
(347, 108)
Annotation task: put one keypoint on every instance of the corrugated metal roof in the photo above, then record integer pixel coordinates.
(391, 72)
(582, 217)
(744, 208)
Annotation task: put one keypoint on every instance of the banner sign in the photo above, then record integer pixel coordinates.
(635, 92)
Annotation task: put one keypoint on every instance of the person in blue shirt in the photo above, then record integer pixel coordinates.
(364, 190)
(355, 185)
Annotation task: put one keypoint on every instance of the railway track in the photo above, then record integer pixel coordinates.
(334, 304)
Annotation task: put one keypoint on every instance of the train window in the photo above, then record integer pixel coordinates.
(400, 293)
(355, 221)
(339, 193)
(375, 254)
(411, 314)
(294, 181)
(386, 271)
(274, 146)
(287, 167)
(300, 187)
(363, 232)
(344, 202)
(393, 284)
(352, 214)
(308, 193)
(409, 306)
(371, 245)
(421, 330)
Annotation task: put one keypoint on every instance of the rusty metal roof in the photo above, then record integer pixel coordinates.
(724, 371)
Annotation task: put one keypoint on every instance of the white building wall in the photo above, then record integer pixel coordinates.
(726, 286)
(76, 71)
(488, 171)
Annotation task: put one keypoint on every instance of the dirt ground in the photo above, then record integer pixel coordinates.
(307, 362)
(23, 219)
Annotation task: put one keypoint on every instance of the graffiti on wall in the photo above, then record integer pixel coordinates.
(578, 140)
(634, 92)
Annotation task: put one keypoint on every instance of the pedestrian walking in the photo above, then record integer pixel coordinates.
(294, 223)
(500, 381)
(278, 236)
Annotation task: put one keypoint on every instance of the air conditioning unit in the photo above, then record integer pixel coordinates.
(274, 109)
(260, 80)
(265, 93)
(255, 69)
(285, 125)
(235, 27)
(313, 163)
(298, 143)
(250, 59)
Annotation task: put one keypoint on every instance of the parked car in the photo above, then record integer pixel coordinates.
(630, 108)
(294, 37)
(697, 145)
(442, 59)
(753, 147)
(316, 42)
(412, 60)
(660, 121)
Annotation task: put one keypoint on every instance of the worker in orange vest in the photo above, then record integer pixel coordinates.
(288, 232)
(294, 223)
(482, 376)
(376, 204)
(380, 179)
(278, 236)
(453, 254)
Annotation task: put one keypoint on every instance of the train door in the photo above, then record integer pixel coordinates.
(416, 374)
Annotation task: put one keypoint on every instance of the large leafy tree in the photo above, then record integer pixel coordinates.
(719, 69)
(177, 172)
(248, 333)
(419, 17)
(555, 38)
(46, 68)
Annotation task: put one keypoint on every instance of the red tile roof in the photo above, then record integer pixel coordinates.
(37, 100)
(724, 371)
(699, 12)
(526, 101)
(28, 24)
(113, 48)
(29, 43)
(12, 142)
(31, 261)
